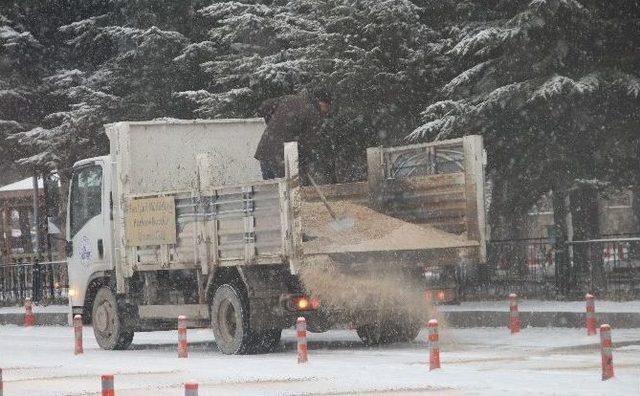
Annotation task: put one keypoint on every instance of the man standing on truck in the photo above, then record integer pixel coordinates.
(291, 118)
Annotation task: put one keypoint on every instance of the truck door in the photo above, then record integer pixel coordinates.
(88, 241)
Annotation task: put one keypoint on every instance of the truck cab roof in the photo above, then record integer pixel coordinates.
(92, 160)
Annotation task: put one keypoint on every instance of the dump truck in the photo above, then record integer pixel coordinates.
(177, 220)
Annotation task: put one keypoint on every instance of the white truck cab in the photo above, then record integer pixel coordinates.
(89, 224)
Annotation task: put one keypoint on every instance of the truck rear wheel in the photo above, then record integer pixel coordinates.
(230, 324)
(109, 326)
(388, 332)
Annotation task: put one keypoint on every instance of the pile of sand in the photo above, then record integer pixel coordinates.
(371, 231)
(358, 296)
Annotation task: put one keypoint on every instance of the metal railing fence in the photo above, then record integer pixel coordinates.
(43, 282)
(531, 268)
(609, 268)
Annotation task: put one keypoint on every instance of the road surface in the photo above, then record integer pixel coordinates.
(40, 361)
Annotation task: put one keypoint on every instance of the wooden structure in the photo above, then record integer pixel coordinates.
(28, 270)
(18, 236)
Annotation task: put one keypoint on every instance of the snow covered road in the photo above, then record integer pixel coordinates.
(40, 361)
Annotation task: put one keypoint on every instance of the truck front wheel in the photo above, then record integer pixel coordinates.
(108, 321)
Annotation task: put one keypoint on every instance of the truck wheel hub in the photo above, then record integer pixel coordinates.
(227, 319)
(102, 317)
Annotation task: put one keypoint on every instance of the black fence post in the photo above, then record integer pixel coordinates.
(22, 281)
(52, 286)
(561, 219)
(3, 282)
(36, 282)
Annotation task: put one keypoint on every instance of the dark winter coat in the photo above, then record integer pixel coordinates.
(289, 118)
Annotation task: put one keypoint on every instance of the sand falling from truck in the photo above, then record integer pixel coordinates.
(357, 296)
(369, 289)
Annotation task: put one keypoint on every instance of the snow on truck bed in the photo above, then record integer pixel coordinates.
(371, 231)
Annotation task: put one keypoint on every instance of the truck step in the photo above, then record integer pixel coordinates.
(191, 311)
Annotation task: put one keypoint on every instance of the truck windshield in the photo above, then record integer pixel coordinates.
(86, 196)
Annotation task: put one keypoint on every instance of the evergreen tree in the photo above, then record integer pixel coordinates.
(21, 68)
(374, 56)
(66, 136)
(553, 86)
(106, 62)
(33, 60)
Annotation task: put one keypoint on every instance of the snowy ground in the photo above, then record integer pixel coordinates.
(40, 361)
(545, 306)
(503, 305)
(36, 309)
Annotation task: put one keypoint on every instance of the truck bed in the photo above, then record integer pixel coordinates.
(421, 202)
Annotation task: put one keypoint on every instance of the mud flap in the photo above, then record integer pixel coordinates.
(265, 285)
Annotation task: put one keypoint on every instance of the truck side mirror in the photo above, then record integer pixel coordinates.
(68, 248)
(53, 225)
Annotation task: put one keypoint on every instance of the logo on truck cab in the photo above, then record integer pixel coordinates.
(84, 251)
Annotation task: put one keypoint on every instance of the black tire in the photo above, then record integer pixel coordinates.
(230, 320)
(387, 332)
(109, 322)
(230, 324)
